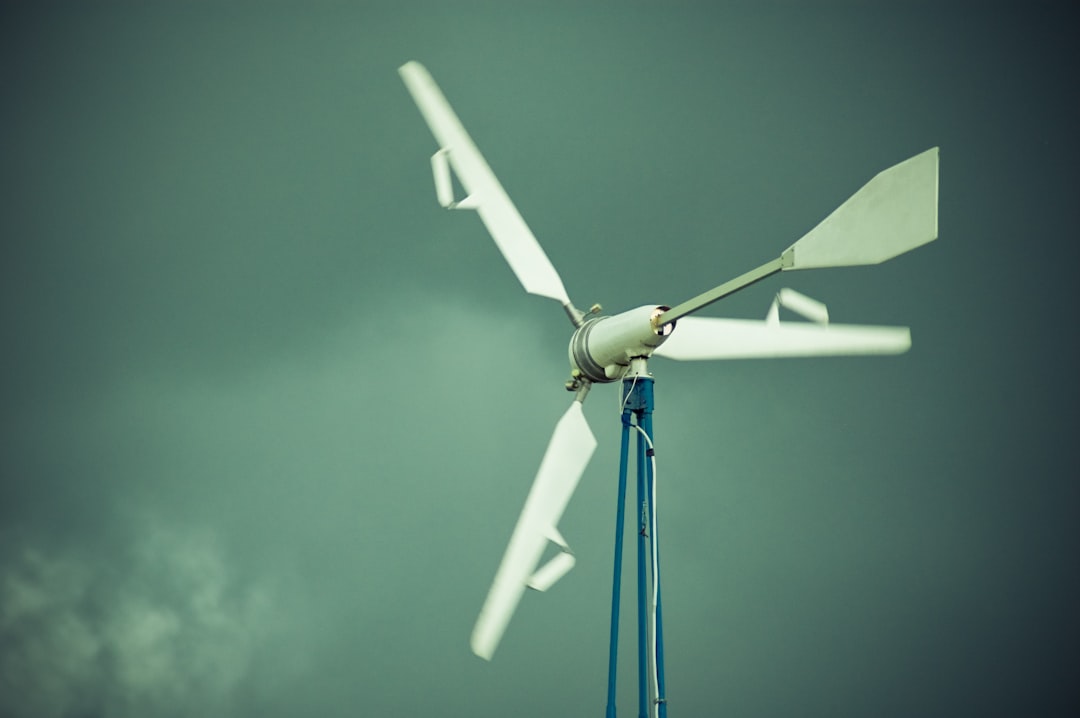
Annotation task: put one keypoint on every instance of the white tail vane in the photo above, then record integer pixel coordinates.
(568, 453)
(484, 193)
(893, 213)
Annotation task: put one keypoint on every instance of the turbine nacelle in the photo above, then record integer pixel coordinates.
(601, 349)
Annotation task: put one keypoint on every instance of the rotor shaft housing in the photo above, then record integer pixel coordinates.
(603, 347)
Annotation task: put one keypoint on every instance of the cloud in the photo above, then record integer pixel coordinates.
(312, 468)
(162, 630)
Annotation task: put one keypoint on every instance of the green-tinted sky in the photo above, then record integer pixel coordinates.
(269, 414)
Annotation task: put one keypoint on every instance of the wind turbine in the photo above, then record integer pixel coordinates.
(893, 213)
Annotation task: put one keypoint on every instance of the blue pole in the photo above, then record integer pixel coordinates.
(645, 421)
(616, 585)
(643, 407)
(643, 548)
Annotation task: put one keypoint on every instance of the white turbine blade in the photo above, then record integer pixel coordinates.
(568, 453)
(698, 338)
(893, 213)
(513, 237)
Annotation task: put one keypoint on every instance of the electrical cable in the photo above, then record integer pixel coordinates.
(622, 405)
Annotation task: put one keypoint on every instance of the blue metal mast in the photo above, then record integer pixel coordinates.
(637, 394)
(616, 586)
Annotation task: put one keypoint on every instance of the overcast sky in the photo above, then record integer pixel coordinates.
(269, 413)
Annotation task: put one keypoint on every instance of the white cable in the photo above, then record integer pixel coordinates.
(622, 406)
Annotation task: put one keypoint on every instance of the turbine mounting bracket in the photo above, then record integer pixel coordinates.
(579, 384)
